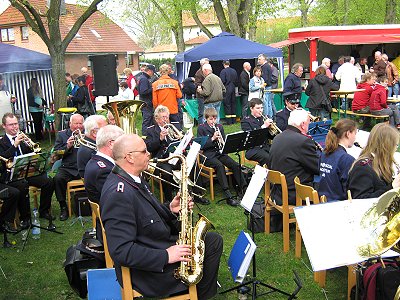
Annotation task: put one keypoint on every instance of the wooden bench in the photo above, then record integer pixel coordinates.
(352, 113)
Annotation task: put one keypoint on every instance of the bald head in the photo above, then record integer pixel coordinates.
(127, 143)
(84, 70)
(76, 122)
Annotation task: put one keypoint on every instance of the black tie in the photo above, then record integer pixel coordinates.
(17, 153)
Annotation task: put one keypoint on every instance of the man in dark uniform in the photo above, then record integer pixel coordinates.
(101, 164)
(198, 80)
(230, 80)
(12, 144)
(146, 94)
(253, 122)
(10, 197)
(142, 233)
(157, 142)
(215, 159)
(92, 125)
(292, 101)
(68, 170)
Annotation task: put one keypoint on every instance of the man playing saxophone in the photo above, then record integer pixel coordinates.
(13, 144)
(142, 233)
(215, 159)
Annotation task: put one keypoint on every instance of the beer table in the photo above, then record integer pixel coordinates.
(345, 94)
(280, 92)
(394, 100)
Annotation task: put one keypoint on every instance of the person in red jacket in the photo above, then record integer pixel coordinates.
(360, 102)
(378, 105)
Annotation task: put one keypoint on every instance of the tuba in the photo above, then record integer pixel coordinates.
(382, 223)
(125, 113)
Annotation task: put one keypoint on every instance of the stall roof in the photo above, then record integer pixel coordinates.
(361, 39)
(287, 42)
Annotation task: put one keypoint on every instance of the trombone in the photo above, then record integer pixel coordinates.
(35, 147)
(8, 162)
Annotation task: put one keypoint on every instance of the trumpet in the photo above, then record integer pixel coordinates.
(273, 128)
(174, 133)
(35, 147)
(220, 139)
(79, 139)
(8, 162)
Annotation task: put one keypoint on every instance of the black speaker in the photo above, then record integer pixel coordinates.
(104, 68)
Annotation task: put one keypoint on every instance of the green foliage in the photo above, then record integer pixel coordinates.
(159, 61)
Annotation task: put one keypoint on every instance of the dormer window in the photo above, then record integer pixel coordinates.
(96, 34)
(78, 36)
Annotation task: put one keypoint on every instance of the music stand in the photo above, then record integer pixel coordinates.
(26, 166)
(248, 203)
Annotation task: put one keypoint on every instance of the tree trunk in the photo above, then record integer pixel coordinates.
(219, 11)
(390, 15)
(58, 75)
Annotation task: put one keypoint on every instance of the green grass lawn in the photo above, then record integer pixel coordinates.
(37, 272)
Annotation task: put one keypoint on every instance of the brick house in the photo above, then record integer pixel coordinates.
(98, 35)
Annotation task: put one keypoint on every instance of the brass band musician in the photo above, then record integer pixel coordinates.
(142, 233)
(215, 159)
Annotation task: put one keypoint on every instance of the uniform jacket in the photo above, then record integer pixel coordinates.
(139, 230)
(96, 172)
(69, 159)
(292, 84)
(293, 154)
(282, 118)
(83, 156)
(166, 91)
(250, 123)
(316, 93)
(154, 145)
(210, 148)
(244, 80)
(229, 78)
(361, 99)
(212, 89)
(266, 73)
(145, 89)
(364, 182)
(378, 98)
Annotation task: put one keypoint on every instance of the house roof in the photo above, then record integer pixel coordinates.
(97, 35)
(207, 18)
(197, 40)
(163, 48)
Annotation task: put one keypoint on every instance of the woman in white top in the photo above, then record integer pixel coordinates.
(125, 93)
(256, 84)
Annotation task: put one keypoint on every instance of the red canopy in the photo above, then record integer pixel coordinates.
(361, 39)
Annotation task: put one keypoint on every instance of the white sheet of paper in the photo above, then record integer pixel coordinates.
(256, 183)
(314, 65)
(331, 232)
(192, 155)
(182, 146)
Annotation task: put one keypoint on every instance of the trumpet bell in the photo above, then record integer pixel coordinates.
(125, 113)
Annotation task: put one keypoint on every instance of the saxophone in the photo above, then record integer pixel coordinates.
(190, 272)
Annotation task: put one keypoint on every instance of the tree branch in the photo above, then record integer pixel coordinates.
(199, 23)
(219, 10)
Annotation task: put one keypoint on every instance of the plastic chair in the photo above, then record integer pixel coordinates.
(277, 178)
(65, 115)
(72, 187)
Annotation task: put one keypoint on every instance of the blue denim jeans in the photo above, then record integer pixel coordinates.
(393, 90)
(216, 105)
(267, 103)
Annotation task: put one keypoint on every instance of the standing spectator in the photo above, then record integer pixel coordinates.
(326, 63)
(230, 80)
(274, 83)
(188, 88)
(75, 88)
(292, 83)
(267, 76)
(392, 74)
(212, 89)
(171, 72)
(336, 66)
(6, 99)
(362, 66)
(256, 84)
(244, 79)
(131, 82)
(378, 104)
(36, 103)
(379, 66)
(198, 80)
(335, 162)
(69, 84)
(360, 103)
(146, 94)
(348, 75)
(82, 100)
(90, 85)
(166, 91)
(318, 89)
(125, 93)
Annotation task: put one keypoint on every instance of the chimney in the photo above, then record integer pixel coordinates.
(63, 10)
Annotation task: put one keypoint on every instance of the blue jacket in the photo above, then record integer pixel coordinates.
(334, 172)
(292, 84)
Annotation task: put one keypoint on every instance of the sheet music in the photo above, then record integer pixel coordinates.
(256, 183)
(192, 156)
(182, 146)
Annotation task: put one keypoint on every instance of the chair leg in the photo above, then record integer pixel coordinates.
(193, 292)
(161, 192)
(285, 232)
(320, 278)
(351, 279)
(69, 201)
(267, 220)
(212, 185)
(298, 242)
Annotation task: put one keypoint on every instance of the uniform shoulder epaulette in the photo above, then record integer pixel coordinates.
(365, 161)
(202, 124)
(101, 164)
(281, 110)
(150, 126)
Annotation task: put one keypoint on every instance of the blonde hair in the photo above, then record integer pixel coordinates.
(380, 148)
(127, 71)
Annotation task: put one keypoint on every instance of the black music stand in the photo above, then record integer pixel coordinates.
(26, 166)
(254, 282)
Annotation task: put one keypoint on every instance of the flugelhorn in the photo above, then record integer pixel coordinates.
(174, 134)
(79, 139)
(35, 147)
(8, 162)
(273, 128)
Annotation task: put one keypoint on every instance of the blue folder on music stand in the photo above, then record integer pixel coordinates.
(241, 255)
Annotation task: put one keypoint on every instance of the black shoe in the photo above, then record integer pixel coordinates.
(47, 216)
(203, 201)
(25, 224)
(7, 227)
(64, 214)
(232, 202)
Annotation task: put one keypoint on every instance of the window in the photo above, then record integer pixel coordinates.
(24, 33)
(7, 35)
(96, 34)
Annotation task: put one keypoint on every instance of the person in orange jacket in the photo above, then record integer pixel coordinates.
(166, 91)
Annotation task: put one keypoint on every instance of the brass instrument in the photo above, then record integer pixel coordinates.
(174, 134)
(220, 139)
(273, 128)
(125, 113)
(79, 139)
(190, 272)
(313, 118)
(382, 223)
(8, 162)
(35, 147)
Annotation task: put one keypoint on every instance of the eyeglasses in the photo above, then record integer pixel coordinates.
(138, 151)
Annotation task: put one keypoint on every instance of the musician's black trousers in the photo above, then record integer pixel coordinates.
(61, 179)
(10, 202)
